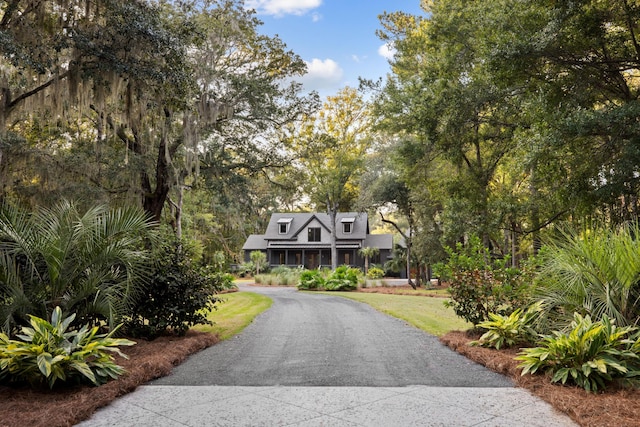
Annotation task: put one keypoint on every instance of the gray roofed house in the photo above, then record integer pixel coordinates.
(304, 239)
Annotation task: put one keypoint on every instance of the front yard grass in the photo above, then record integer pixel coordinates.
(236, 312)
(428, 314)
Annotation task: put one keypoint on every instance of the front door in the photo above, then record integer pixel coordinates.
(313, 260)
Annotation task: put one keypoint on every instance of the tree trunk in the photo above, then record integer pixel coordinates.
(333, 213)
(153, 199)
(407, 240)
(535, 213)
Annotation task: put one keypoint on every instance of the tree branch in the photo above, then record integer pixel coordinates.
(11, 105)
(387, 221)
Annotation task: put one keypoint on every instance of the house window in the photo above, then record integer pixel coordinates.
(283, 225)
(347, 224)
(314, 234)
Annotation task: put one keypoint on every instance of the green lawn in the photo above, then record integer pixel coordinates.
(428, 314)
(235, 313)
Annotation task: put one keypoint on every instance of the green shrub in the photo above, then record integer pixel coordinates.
(508, 331)
(223, 281)
(48, 352)
(90, 263)
(311, 279)
(175, 297)
(375, 273)
(595, 272)
(246, 269)
(480, 285)
(591, 354)
(343, 278)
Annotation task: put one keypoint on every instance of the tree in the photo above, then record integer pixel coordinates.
(329, 148)
(368, 252)
(498, 97)
(99, 64)
(187, 88)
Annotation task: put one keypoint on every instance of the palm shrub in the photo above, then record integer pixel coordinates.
(90, 263)
(368, 252)
(595, 272)
(259, 260)
(591, 354)
(509, 330)
(343, 278)
(178, 294)
(311, 280)
(48, 352)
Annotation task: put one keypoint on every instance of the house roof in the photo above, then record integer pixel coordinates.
(255, 242)
(298, 222)
(381, 241)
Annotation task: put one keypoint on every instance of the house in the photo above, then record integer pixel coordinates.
(304, 239)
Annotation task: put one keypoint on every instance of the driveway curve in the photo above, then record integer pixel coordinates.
(319, 340)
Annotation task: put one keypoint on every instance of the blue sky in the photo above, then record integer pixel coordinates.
(335, 37)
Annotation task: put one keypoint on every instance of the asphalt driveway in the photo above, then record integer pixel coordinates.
(318, 340)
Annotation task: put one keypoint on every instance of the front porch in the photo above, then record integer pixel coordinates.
(312, 259)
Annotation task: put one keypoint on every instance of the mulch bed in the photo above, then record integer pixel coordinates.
(68, 406)
(615, 408)
(401, 290)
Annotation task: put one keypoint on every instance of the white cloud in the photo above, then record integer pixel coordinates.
(387, 51)
(321, 74)
(283, 7)
(315, 17)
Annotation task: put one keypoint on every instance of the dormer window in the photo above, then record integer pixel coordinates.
(283, 225)
(347, 225)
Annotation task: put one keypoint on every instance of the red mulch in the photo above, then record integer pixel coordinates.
(616, 407)
(68, 406)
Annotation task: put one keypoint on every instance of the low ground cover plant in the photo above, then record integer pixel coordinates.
(510, 330)
(590, 355)
(51, 352)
